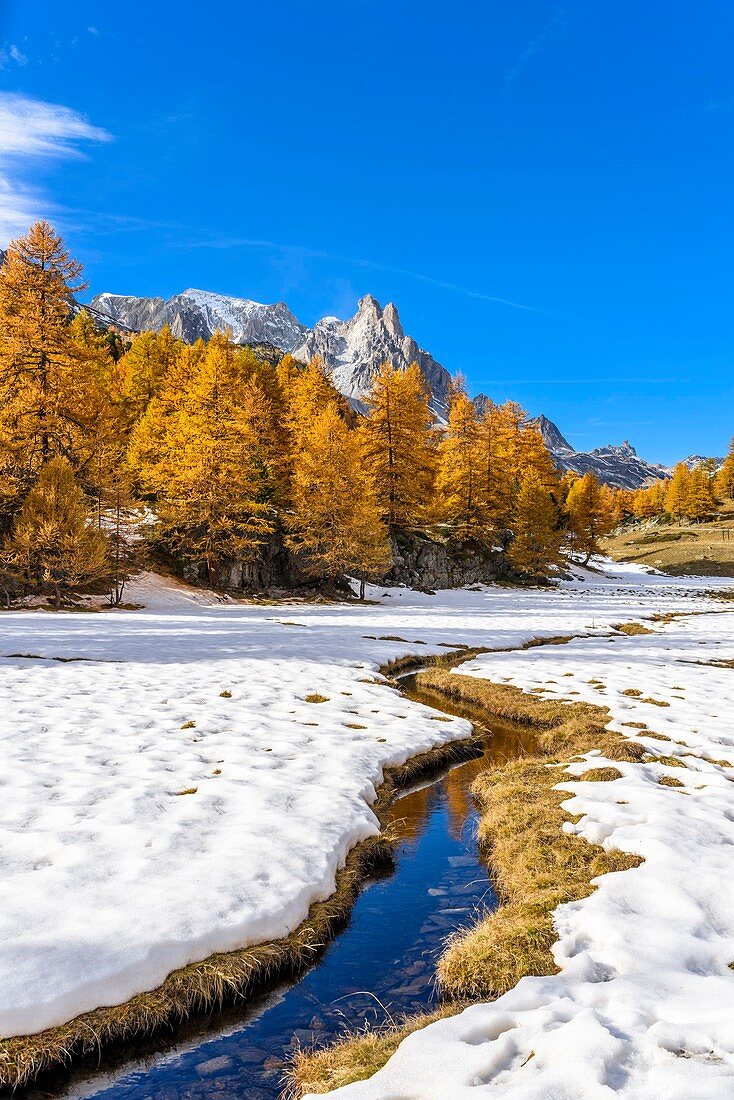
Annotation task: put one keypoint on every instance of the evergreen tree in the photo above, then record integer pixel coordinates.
(398, 443)
(52, 544)
(336, 520)
(536, 547)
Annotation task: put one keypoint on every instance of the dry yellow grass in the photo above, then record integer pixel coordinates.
(632, 629)
(536, 866)
(703, 549)
(356, 1056)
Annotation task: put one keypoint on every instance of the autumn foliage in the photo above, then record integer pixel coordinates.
(229, 450)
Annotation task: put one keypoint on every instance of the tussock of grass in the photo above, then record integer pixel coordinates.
(354, 726)
(655, 702)
(633, 692)
(600, 775)
(225, 694)
(188, 725)
(669, 761)
(670, 781)
(188, 790)
(314, 697)
(536, 866)
(632, 629)
(356, 1056)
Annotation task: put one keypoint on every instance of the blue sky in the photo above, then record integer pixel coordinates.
(543, 187)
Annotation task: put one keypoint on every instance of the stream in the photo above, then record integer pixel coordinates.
(381, 966)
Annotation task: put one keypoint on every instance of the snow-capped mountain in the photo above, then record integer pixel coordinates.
(619, 466)
(200, 313)
(354, 350)
(696, 460)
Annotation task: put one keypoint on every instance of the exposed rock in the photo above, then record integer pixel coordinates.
(354, 350)
(422, 561)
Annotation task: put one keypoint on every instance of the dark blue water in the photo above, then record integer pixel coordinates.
(381, 966)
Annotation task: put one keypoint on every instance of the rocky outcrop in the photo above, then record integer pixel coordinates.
(420, 560)
(423, 561)
(354, 350)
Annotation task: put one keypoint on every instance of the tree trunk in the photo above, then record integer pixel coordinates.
(57, 597)
(361, 587)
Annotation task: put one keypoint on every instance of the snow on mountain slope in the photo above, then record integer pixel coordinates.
(200, 313)
(353, 350)
(619, 466)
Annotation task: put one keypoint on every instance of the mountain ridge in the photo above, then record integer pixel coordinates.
(353, 351)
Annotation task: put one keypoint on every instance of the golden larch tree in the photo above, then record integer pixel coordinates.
(38, 395)
(677, 491)
(590, 515)
(458, 491)
(336, 522)
(399, 444)
(536, 546)
(205, 460)
(53, 545)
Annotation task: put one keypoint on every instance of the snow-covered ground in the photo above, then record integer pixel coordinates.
(111, 875)
(642, 1007)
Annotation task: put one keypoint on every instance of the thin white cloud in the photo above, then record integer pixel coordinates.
(32, 131)
(554, 30)
(317, 254)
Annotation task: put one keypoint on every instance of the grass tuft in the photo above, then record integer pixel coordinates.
(632, 629)
(600, 775)
(314, 697)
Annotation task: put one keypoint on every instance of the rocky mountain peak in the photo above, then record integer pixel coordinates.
(354, 350)
(620, 465)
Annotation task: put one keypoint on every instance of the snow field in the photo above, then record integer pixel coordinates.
(642, 1005)
(111, 874)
